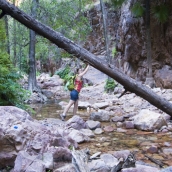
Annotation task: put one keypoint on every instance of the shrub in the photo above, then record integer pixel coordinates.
(64, 72)
(110, 85)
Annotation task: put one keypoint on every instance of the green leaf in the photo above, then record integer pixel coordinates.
(161, 13)
(138, 9)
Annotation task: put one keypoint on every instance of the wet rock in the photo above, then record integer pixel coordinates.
(102, 116)
(93, 124)
(129, 124)
(149, 120)
(152, 149)
(76, 122)
(108, 128)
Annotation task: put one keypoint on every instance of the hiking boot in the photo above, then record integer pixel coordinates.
(62, 117)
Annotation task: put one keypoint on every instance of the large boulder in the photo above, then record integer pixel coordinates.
(18, 132)
(149, 121)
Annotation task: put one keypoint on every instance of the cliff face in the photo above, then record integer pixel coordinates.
(127, 35)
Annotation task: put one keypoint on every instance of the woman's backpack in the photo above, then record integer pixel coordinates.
(70, 83)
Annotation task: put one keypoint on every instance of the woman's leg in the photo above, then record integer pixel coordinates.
(71, 102)
(75, 107)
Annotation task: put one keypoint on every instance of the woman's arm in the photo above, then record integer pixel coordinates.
(85, 70)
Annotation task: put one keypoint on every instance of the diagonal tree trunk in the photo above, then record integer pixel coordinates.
(72, 48)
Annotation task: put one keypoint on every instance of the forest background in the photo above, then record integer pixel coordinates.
(22, 48)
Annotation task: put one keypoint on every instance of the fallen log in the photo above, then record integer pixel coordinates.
(81, 53)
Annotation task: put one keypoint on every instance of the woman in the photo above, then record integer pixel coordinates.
(74, 94)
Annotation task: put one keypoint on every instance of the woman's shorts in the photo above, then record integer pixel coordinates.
(74, 95)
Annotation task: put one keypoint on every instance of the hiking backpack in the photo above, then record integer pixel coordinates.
(70, 83)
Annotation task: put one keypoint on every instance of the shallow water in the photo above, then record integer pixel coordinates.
(108, 142)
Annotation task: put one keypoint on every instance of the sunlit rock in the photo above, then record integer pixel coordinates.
(149, 120)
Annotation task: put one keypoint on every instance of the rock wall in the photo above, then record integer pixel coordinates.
(127, 35)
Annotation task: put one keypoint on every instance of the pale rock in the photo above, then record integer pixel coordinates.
(109, 160)
(93, 124)
(78, 136)
(148, 120)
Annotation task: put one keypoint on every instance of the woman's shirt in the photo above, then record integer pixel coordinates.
(78, 85)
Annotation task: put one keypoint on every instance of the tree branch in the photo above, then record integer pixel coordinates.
(2, 14)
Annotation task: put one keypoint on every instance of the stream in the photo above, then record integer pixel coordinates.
(134, 140)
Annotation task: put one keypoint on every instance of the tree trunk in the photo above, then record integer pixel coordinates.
(7, 33)
(14, 41)
(104, 17)
(32, 84)
(32, 64)
(149, 79)
(72, 48)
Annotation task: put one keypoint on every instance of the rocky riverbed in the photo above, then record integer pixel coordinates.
(112, 128)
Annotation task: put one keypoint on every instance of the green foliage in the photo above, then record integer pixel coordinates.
(110, 85)
(114, 52)
(64, 73)
(138, 9)
(118, 3)
(11, 92)
(72, 23)
(161, 13)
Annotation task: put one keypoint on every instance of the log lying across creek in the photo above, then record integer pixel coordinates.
(81, 53)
